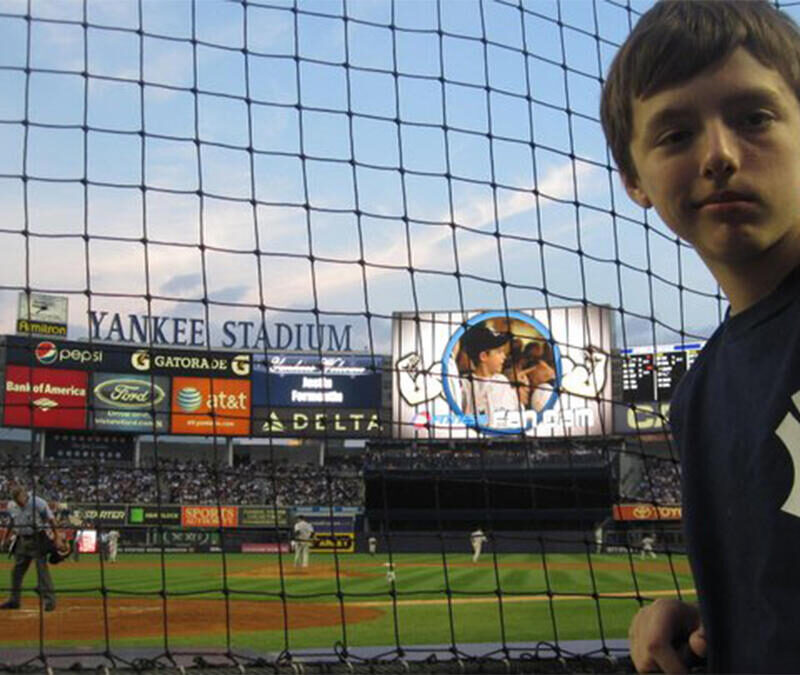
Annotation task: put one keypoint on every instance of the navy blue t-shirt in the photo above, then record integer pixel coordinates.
(736, 419)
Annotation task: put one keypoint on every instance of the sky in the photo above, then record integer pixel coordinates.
(342, 161)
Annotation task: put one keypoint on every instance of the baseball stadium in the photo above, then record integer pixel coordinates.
(254, 256)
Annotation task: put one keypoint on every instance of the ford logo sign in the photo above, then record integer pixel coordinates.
(129, 393)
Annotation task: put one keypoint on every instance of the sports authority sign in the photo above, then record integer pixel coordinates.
(538, 373)
(209, 516)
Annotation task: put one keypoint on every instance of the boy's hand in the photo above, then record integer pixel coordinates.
(666, 636)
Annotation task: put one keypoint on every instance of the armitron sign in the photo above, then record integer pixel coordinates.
(647, 512)
(40, 314)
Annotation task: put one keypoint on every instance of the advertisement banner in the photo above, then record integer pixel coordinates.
(89, 446)
(40, 314)
(41, 328)
(135, 403)
(649, 417)
(343, 542)
(294, 423)
(209, 516)
(325, 524)
(647, 512)
(100, 514)
(314, 381)
(24, 351)
(312, 395)
(197, 363)
(86, 541)
(44, 398)
(116, 358)
(194, 399)
(262, 516)
(196, 539)
(271, 547)
(537, 373)
(153, 515)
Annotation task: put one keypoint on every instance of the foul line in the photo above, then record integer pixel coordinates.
(542, 597)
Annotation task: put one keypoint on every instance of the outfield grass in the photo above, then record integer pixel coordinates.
(571, 600)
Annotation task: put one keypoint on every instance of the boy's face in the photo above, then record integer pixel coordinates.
(493, 359)
(717, 156)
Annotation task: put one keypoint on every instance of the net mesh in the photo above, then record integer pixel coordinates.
(315, 176)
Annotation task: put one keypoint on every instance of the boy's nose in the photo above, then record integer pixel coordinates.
(720, 159)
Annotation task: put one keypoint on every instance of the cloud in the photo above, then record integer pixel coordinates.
(180, 283)
(232, 293)
(557, 183)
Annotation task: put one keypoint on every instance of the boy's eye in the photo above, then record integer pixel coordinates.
(757, 119)
(674, 137)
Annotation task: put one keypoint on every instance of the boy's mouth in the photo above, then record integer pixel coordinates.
(726, 197)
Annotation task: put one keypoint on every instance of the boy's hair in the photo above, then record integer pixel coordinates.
(677, 39)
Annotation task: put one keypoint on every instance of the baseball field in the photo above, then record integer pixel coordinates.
(260, 602)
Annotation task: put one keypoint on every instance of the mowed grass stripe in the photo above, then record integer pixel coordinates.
(542, 597)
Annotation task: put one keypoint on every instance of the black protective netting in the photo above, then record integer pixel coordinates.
(383, 188)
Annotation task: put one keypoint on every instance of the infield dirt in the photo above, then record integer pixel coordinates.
(85, 619)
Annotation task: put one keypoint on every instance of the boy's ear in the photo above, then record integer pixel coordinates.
(635, 192)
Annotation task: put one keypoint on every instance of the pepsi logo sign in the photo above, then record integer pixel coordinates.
(46, 352)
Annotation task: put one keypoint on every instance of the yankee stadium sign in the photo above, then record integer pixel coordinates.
(182, 331)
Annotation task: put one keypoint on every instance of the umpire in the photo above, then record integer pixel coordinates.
(32, 518)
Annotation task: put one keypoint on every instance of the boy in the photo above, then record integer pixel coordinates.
(488, 394)
(701, 111)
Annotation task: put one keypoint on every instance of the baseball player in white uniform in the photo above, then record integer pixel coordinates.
(391, 577)
(372, 545)
(113, 545)
(647, 546)
(303, 536)
(598, 538)
(477, 539)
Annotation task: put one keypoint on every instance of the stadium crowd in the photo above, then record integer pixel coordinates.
(191, 482)
(475, 459)
(202, 481)
(660, 482)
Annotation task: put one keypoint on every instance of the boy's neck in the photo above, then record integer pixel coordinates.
(750, 281)
(483, 371)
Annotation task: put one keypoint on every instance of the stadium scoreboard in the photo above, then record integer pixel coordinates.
(111, 388)
(649, 375)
